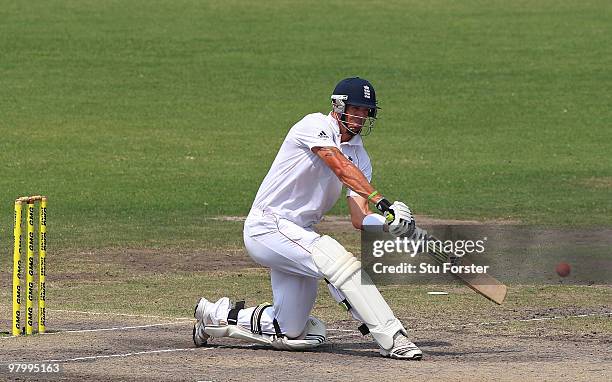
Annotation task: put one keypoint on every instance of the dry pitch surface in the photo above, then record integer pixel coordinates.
(567, 343)
(113, 347)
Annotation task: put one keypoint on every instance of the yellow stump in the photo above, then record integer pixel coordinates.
(30, 271)
(42, 255)
(17, 270)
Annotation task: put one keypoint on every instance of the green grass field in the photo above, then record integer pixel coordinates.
(140, 119)
(148, 123)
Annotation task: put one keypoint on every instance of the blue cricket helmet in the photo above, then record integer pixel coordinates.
(357, 92)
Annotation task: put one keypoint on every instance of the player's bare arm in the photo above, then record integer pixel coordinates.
(359, 209)
(398, 215)
(347, 172)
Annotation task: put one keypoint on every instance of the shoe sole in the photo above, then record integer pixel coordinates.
(416, 357)
(193, 336)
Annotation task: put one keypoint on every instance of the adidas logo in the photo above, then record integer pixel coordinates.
(323, 135)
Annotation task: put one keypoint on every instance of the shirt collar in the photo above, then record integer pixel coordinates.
(355, 141)
(334, 124)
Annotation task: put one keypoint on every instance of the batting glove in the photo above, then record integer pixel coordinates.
(398, 216)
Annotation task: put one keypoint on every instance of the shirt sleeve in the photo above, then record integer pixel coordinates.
(311, 134)
(362, 161)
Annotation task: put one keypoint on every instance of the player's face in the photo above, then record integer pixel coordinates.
(355, 117)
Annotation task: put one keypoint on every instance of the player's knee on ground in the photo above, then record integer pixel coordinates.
(294, 328)
(298, 335)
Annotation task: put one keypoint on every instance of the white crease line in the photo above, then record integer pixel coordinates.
(533, 319)
(93, 357)
(354, 334)
(120, 314)
(72, 331)
(116, 328)
(349, 332)
(357, 333)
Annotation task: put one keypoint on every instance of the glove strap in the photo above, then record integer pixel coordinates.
(383, 205)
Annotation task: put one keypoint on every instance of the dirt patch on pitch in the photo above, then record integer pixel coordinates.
(108, 264)
(163, 261)
(602, 182)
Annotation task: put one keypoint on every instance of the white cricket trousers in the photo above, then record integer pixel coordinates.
(285, 248)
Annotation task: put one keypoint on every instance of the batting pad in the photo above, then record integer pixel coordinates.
(343, 271)
(314, 335)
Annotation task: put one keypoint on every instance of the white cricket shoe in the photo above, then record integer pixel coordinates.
(200, 338)
(207, 314)
(402, 349)
(200, 307)
(212, 313)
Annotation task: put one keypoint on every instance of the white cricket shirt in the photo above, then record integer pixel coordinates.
(299, 186)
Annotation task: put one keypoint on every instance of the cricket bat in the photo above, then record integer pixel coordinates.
(482, 283)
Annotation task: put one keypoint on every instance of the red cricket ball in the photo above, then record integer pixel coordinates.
(563, 269)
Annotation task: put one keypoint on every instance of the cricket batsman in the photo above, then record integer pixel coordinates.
(320, 154)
